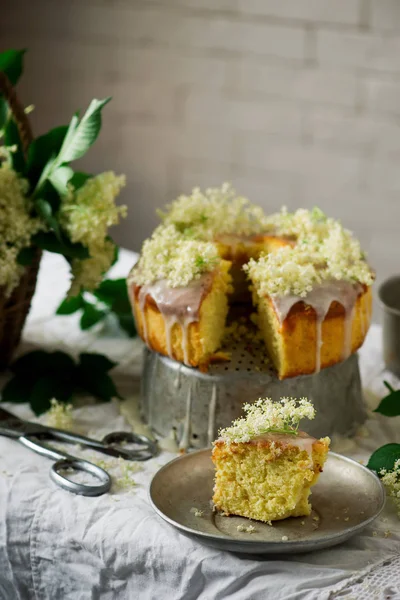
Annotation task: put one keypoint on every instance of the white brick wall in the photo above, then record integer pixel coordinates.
(295, 101)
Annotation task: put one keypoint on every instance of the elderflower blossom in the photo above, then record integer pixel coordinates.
(324, 251)
(288, 270)
(265, 415)
(60, 415)
(16, 226)
(86, 214)
(216, 211)
(169, 255)
(391, 481)
(88, 273)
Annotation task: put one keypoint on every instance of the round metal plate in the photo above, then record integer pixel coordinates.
(346, 498)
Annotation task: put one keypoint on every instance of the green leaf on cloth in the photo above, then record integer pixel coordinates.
(40, 376)
(384, 458)
(70, 305)
(390, 404)
(91, 316)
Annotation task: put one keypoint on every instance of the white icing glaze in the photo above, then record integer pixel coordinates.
(320, 299)
(302, 440)
(177, 305)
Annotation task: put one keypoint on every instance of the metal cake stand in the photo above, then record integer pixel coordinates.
(195, 405)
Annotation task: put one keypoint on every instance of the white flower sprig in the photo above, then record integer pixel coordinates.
(391, 481)
(204, 215)
(169, 255)
(267, 416)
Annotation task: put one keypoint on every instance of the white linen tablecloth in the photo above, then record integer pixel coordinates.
(55, 545)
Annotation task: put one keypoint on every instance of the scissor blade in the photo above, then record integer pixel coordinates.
(10, 425)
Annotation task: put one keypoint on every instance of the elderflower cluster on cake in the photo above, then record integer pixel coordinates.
(265, 466)
(306, 276)
(214, 212)
(267, 416)
(170, 256)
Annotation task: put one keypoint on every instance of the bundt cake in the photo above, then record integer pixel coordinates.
(264, 466)
(304, 273)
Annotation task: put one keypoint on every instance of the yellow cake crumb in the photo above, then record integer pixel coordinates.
(264, 466)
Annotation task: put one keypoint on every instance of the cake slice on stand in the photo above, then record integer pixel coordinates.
(264, 465)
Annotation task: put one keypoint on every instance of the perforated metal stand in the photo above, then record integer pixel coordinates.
(195, 405)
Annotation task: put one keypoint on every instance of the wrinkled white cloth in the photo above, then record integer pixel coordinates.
(55, 545)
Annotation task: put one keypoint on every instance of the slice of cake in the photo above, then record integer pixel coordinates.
(179, 295)
(314, 298)
(264, 465)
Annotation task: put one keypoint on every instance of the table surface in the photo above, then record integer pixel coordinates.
(57, 545)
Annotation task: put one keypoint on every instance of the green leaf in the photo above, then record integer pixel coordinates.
(388, 386)
(49, 241)
(384, 458)
(11, 138)
(111, 289)
(390, 404)
(18, 389)
(3, 113)
(127, 323)
(91, 316)
(45, 210)
(39, 362)
(26, 256)
(11, 63)
(42, 150)
(70, 305)
(32, 363)
(47, 388)
(82, 134)
(79, 179)
(99, 385)
(95, 362)
(60, 179)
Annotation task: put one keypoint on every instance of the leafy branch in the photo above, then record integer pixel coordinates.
(47, 165)
(39, 376)
(110, 298)
(385, 461)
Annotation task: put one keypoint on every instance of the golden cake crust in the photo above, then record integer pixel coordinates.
(298, 334)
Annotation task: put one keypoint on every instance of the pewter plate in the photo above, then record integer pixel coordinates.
(346, 499)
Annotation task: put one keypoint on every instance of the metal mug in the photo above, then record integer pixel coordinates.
(389, 296)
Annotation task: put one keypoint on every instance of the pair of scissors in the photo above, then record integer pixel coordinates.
(32, 435)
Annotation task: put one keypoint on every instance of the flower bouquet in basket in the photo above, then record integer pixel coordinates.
(46, 205)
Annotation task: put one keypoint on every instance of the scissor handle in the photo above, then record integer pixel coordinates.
(82, 489)
(148, 448)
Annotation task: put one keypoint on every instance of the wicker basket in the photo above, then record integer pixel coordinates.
(14, 309)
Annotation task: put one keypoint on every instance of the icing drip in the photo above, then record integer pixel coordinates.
(211, 415)
(320, 299)
(348, 329)
(177, 305)
(302, 441)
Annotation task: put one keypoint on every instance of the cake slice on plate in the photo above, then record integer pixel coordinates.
(264, 465)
